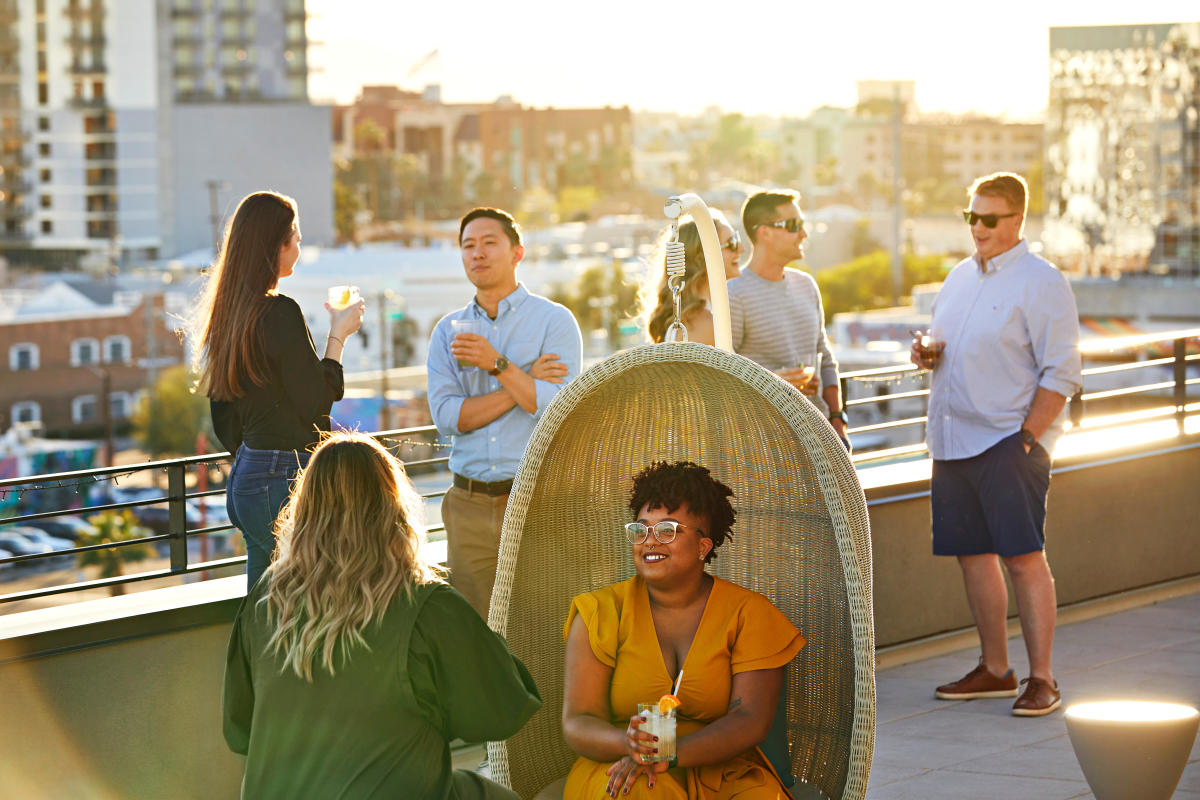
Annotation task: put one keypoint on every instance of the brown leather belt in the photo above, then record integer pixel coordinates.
(494, 489)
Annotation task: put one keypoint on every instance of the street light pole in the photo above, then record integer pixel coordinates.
(385, 336)
(897, 198)
(105, 411)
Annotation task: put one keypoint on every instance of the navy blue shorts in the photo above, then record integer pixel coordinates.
(994, 502)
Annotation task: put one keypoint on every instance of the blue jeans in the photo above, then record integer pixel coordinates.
(259, 485)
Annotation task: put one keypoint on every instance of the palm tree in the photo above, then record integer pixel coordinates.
(109, 528)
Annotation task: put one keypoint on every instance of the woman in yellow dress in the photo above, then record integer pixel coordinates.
(628, 642)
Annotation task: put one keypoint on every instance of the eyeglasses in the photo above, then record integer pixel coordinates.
(733, 244)
(988, 220)
(664, 531)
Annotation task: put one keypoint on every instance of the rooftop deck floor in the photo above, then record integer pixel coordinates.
(933, 749)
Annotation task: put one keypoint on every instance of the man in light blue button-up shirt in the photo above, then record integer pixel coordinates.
(526, 348)
(1005, 360)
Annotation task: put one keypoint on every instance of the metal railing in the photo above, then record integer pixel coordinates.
(178, 534)
(1090, 348)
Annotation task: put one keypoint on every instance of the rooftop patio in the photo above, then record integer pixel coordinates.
(933, 749)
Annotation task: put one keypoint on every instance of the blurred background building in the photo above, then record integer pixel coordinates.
(130, 128)
(1123, 149)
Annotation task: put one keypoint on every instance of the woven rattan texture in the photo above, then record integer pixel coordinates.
(801, 538)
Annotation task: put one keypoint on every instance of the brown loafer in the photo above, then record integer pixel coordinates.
(1039, 698)
(978, 683)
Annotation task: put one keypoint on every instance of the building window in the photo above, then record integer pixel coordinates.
(44, 175)
(43, 122)
(43, 94)
(117, 349)
(44, 149)
(83, 409)
(45, 201)
(84, 352)
(120, 405)
(28, 411)
(23, 356)
(47, 226)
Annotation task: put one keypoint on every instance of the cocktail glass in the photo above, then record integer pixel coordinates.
(343, 296)
(660, 725)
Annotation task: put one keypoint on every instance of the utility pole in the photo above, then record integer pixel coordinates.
(105, 411)
(385, 336)
(214, 214)
(897, 198)
(151, 320)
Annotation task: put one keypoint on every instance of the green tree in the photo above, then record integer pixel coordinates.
(346, 205)
(171, 414)
(1037, 188)
(866, 282)
(861, 240)
(109, 528)
(601, 298)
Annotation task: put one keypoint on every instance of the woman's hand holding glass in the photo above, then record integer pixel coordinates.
(639, 745)
(344, 321)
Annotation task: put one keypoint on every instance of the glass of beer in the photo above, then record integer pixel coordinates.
(930, 349)
(660, 725)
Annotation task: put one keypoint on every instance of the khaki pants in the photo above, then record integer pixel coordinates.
(473, 522)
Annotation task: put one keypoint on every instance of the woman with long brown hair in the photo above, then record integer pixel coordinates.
(693, 311)
(270, 393)
(352, 664)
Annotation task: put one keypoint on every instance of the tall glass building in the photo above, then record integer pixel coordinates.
(1123, 149)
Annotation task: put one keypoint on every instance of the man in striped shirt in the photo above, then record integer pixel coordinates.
(776, 312)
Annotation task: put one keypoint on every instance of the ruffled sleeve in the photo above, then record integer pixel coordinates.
(601, 615)
(766, 639)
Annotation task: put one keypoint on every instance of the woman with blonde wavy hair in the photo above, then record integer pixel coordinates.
(352, 664)
(693, 310)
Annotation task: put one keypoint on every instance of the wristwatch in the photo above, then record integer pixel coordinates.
(1028, 438)
(839, 415)
(500, 365)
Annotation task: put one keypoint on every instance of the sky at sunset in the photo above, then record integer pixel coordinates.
(785, 57)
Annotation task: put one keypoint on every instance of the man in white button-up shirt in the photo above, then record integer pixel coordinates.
(1005, 360)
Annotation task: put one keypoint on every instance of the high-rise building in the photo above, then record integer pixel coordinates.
(129, 128)
(1123, 148)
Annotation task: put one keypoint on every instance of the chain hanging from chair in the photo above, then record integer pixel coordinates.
(676, 262)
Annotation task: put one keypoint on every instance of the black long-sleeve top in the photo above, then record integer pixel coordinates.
(287, 412)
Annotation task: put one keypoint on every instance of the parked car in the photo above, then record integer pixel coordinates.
(38, 535)
(5, 554)
(22, 546)
(67, 527)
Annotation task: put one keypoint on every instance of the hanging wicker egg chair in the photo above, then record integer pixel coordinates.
(801, 538)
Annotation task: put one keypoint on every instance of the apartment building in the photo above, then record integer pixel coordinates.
(128, 129)
(1123, 148)
(518, 147)
(60, 348)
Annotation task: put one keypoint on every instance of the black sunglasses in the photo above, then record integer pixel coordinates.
(793, 225)
(988, 220)
(733, 244)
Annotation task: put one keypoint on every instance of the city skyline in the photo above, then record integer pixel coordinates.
(636, 54)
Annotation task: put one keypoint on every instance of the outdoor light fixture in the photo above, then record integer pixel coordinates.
(1132, 750)
(692, 205)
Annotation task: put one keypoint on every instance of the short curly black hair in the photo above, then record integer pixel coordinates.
(663, 485)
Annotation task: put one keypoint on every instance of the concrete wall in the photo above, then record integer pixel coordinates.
(130, 707)
(248, 147)
(1112, 525)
